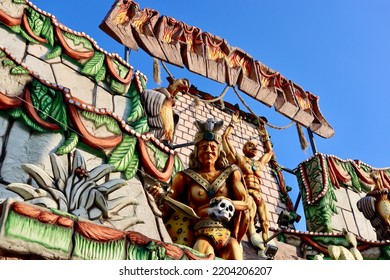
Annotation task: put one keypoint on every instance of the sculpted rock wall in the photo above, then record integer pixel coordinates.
(60, 92)
(61, 70)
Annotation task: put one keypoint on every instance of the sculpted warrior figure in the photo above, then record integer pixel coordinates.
(251, 169)
(214, 189)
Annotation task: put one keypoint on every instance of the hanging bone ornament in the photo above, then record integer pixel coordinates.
(221, 209)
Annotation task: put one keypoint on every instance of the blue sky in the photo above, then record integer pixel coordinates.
(338, 50)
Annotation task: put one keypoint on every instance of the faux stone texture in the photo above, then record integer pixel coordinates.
(40, 67)
(14, 44)
(80, 86)
(12, 85)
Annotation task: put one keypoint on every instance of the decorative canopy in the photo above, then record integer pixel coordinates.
(177, 43)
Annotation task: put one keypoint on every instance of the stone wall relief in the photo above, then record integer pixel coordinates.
(80, 193)
(43, 106)
(321, 175)
(49, 108)
(35, 232)
(375, 206)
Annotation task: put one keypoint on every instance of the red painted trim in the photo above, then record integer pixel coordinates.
(315, 245)
(30, 32)
(88, 138)
(150, 168)
(114, 73)
(77, 55)
(8, 20)
(34, 115)
(7, 102)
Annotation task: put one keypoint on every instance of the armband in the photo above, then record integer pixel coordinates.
(265, 139)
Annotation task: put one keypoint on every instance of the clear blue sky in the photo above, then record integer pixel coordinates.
(338, 50)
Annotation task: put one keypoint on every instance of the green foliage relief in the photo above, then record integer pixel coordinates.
(318, 215)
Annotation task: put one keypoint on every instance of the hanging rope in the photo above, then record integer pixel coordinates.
(301, 135)
(156, 71)
(166, 69)
(258, 118)
(220, 99)
(302, 138)
(197, 99)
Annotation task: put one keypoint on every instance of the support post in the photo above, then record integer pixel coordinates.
(312, 143)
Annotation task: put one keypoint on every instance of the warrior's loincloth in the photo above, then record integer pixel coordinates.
(215, 231)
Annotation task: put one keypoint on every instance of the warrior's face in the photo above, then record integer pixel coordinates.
(208, 152)
(250, 149)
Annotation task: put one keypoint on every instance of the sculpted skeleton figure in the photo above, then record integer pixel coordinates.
(251, 169)
(214, 189)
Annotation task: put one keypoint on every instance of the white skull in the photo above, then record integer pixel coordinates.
(221, 209)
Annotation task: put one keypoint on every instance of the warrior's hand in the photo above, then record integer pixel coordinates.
(261, 129)
(236, 118)
(263, 132)
(156, 191)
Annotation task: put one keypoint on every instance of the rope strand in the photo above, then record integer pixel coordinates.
(258, 118)
(220, 97)
(166, 69)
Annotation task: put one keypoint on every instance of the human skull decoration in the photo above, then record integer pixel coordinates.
(221, 209)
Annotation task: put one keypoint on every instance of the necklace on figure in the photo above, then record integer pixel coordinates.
(252, 162)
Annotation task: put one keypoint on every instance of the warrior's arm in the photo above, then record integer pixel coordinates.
(226, 144)
(268, 150)
(175, 191)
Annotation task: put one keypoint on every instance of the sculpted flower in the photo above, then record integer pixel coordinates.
(79, 193)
